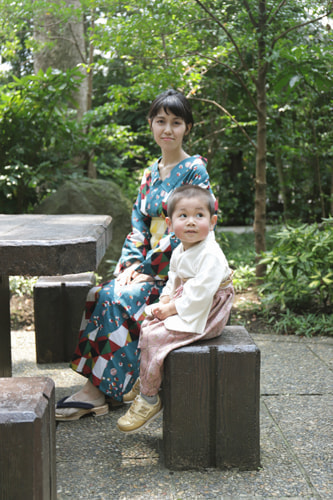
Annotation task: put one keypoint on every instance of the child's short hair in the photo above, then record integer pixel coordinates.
(190, 191)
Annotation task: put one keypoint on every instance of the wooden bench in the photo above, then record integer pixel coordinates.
(58, 307)
(27, 439)
(211, 403)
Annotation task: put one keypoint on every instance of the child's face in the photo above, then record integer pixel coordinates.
(191, 221)
(168, 130)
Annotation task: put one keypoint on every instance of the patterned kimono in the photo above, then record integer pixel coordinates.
(107, 352)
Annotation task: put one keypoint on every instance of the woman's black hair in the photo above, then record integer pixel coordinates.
(172, 101)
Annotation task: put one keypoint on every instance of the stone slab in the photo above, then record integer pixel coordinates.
(52, 244)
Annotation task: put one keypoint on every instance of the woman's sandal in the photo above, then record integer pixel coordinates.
(113, 403)
(79, 409)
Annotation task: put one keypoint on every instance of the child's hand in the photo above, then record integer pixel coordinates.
(164, 299)
(163, 311)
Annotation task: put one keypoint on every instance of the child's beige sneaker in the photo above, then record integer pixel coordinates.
(133, 393)
(139, 415)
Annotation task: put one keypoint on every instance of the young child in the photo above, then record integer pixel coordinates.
(194, 304)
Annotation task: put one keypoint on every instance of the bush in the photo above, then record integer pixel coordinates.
(300, 269)
(37, 137)
(296, 296)
(240, 251)
(306, 325)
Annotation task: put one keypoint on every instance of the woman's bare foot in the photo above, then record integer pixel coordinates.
(75, 406)
(88, 393)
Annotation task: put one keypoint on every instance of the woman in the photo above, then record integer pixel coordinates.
(107, 353)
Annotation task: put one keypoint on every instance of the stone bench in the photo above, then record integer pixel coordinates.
(58, 307)
(27, 439)
(211, 403)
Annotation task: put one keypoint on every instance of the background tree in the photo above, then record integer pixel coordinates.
(60, 37)
(268, 28)
(211, 53)
(245, 41)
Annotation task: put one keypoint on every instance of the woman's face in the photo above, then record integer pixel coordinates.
(168, 130)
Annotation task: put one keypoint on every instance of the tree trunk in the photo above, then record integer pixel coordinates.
(91, 167)
(67, 48)
(317, 169)
(282, 184)
(331, 204)
(260, 183)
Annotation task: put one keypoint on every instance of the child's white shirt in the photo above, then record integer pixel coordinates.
(202, 268)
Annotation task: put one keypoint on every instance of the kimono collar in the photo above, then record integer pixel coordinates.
(155, 174)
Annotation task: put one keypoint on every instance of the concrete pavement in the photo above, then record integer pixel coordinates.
(95, 461)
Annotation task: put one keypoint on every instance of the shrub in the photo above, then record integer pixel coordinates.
(306, 325)
(300, 269)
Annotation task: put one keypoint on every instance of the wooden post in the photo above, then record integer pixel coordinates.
(27, 437)
(211, 403)
(5, 350)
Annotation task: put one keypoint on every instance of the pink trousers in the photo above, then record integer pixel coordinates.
(156, 341)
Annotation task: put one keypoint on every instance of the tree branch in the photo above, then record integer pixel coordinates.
(292, 28)
(234, 72)
(226, 32)
(248, 9)
(207, 136)
(210, 101)
(278, 8)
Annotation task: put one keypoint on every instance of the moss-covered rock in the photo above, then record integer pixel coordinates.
(91, 196)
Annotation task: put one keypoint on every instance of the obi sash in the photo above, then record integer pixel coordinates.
(157, 229)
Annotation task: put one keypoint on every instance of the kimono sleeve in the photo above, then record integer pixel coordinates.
(137, 243)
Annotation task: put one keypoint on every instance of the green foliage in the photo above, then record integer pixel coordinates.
(20, 285)
(300, 269)
(42, 144)
(212, 59)
(37, 136)
(239, 250)
(306, 324)
(296, 297)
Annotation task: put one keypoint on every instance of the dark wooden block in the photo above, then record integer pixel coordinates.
(211, 403)
(59, 303)
(5, 341)
(27, 437)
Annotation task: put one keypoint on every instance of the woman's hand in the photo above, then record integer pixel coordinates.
(129, 275)
(138, 278)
